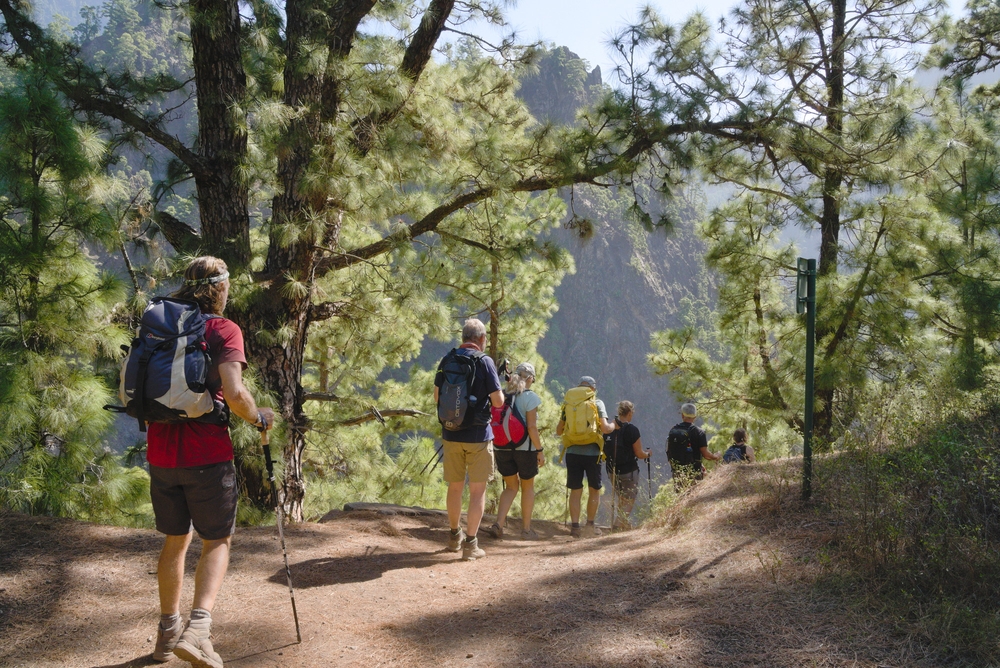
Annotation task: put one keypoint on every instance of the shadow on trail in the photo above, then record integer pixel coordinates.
(640, 611)
(565, 613)
(257, 653)
(133, 663)
(326, 571)
(685, 569)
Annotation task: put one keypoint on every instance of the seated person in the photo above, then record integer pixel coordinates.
(739, 451)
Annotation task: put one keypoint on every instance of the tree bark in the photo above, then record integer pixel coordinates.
(223, 196)
(830, 220)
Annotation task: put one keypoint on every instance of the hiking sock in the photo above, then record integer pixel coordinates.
(195, 645)
(167, 621)
(201, 618)
(454, 532)
(576, 525)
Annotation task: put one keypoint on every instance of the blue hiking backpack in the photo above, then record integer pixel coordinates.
(735, 453)
(457, 407)
(163, 377)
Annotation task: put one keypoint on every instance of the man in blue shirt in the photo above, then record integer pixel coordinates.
(468, 450)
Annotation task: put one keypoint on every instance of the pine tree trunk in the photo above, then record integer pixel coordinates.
(281, 368)
(830, 219)
(288, 310)
(221, 82)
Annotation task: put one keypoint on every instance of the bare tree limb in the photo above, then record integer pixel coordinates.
(320, 396)
(374, 415)
(326, 310)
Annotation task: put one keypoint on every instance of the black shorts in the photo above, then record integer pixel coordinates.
(204, 497)
(522, 463)
(577, 465)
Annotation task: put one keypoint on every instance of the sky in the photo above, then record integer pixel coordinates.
(586, 26)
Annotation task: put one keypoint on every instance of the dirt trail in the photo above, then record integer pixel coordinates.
(733, 585)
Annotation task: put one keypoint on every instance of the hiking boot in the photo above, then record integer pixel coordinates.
(471, 550)
(594, 530)
(455, 540)
(575, 532)
(496, 531)
(195, 647)
(166, 640)
(529, 534)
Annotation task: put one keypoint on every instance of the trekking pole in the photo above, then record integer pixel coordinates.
(649, 479)
(265, 441)
(614, 497)
(432, 459)
(566, 516)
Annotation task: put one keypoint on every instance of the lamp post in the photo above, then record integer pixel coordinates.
(806, 303)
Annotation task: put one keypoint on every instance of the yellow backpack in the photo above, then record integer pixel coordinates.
(583, 421)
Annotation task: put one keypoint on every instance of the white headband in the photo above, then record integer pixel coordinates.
(211, 280)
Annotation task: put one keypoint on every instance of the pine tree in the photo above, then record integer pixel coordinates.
(349, 143)
(825, 92)
(56, 314)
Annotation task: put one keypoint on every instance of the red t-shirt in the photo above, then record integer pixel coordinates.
(188, 444)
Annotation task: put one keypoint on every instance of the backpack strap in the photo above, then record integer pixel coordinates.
(140, 387)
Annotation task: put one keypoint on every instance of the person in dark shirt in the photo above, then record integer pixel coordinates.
(683, 474)
(623, 449)
(469, 450)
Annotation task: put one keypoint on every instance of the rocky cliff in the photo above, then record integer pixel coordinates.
(628, 283)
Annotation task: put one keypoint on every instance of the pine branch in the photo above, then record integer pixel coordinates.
(345, 16)
(467, 242)
(624, 162)
(180, 235)
(770, 375)
(83, 86)
(856, 297)
(418, 54)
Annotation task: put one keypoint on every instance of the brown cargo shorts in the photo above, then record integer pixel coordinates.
(474, 458)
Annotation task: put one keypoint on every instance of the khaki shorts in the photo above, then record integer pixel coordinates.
(476, 458)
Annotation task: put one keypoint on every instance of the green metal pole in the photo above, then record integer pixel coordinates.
(810, 380)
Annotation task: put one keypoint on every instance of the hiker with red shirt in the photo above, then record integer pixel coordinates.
(192, 478)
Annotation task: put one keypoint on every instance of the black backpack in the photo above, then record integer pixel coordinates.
(457, 407)
(679, 448)
(620, 457)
